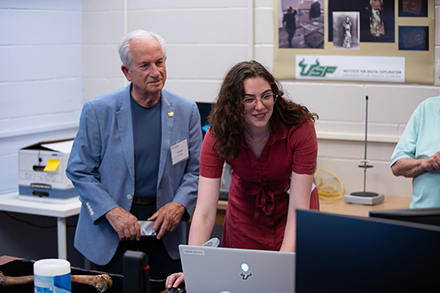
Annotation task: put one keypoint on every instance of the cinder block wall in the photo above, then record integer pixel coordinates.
(205, 38)
(40, 99)
(40, 77)
(57, 54)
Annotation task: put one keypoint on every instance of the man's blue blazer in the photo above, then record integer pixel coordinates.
(101, 167)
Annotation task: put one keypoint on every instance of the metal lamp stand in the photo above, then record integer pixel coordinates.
(365, 197)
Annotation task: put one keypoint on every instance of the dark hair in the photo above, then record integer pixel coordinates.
(227, 116)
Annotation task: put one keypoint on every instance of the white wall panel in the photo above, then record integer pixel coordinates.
(102, 27)
(41, 98)
(25, 27)
(102, 5)
(396, 103)
(336, 102)
(101, 61)
(42, 4)
(95, 27)
(40, 62)
(199, 91)
(218, 26)
(203, 61)
(263, 25)
(264, 55)
(188, 4)
(93, 87)
(349, 129)
(263, 3)
(116, 27)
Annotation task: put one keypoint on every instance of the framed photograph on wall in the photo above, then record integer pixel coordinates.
(302, 24)
(415, 38)
(413, 8)
(346, 30)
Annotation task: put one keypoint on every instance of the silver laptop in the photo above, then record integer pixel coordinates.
(228, 270)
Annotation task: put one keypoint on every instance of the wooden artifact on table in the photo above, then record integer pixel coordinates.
(101, 282)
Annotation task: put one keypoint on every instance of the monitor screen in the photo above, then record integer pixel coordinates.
(204, 110)
(429, 216)
(338, 253)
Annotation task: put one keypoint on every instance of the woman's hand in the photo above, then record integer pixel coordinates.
(174, 280)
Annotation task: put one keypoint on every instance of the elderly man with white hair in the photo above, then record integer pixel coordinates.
(136, 157)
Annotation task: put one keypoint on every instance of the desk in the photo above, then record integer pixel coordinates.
(11, 203)
(337, 207)
(341, 207)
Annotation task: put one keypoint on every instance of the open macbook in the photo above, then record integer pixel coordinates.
(228, 270)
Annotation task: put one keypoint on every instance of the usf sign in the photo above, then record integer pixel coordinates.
(355, 68)
(315, 69)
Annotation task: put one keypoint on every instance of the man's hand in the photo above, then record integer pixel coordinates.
(168, 218)
(433, 162)
(124, 223)
(409, 167)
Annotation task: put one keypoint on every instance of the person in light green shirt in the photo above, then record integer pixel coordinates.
(417, 154)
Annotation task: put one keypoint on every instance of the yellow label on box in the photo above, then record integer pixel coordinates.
(52, 165)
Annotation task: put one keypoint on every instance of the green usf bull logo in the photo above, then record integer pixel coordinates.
(316, 69)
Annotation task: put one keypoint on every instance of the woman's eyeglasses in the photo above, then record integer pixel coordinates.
(267, 99)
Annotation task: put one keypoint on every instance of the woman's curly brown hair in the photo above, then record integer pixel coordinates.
(227, 116)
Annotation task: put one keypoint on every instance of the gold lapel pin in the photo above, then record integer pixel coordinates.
(171, 114)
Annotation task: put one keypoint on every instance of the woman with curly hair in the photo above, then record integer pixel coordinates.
(270, 143)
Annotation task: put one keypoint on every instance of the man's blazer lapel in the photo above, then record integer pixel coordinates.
(167, 117)
(125, 127)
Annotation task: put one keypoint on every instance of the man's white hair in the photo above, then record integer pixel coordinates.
(124, 45)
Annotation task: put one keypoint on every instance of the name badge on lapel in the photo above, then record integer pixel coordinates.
(179, 151)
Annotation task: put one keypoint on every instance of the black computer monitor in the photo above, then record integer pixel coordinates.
(429, 216)
(204, 110)
(338, 253)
